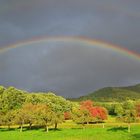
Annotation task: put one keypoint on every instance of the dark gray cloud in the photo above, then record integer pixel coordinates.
(70, 69)
(109, 20)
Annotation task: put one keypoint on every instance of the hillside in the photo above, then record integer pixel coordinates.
(109, 94)
(135, 88)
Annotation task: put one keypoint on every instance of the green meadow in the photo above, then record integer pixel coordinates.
(71, 131)
(96, 133)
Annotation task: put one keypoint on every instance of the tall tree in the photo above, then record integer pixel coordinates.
(58, 105)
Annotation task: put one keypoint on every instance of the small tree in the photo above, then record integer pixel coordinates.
(58, 105)
(81, 116)
(29, 111)
(8, 118)
(57, 117)
(138, 110)
(44, 115)
(2, 90)
(12, 99)
(129, 117)
(88, 104)
(129, 114)
(67, 115)
(118, 109)
(97, 113)
(21, 117)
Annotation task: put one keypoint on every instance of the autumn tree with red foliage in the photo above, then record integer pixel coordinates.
(88, 104)
(67, 115)
(138, 110)
(97, 112)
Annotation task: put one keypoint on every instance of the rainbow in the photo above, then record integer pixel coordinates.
(80, 40)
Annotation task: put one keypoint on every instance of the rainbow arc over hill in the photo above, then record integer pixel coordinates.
(79, 40)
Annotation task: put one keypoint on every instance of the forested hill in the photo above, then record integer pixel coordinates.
(110, 94)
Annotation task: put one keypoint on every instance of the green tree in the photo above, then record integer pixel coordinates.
(2, 88)
(81, 116)
(35, 98)
(57, 117)
(58, 105)
(20, 118)
(8, 118)
(118, 109)
(12, 98)
(29, 113)
(129, 113)
(44, 116)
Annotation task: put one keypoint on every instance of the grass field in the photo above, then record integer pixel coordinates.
(94, 133)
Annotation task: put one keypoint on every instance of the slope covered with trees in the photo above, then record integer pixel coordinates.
(110, 94)
(18, 107)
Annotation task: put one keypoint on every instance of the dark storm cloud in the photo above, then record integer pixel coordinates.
(110, 20)
(73, 70)
(69, 70)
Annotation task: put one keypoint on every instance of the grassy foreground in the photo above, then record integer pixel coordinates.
(108, 133)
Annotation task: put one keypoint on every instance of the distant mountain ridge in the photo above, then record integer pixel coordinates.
(109, 94)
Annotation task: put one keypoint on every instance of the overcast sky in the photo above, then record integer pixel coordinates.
(70, 69)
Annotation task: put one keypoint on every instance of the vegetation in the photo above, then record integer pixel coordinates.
(45, 109)
(37, 113)
(126, 113)
(111, 94)
(98, 133)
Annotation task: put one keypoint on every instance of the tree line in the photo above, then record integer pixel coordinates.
(18, 107)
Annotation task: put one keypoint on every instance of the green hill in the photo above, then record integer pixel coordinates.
(110, 94)
(135, 88)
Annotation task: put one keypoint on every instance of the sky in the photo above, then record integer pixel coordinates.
(69, 68)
